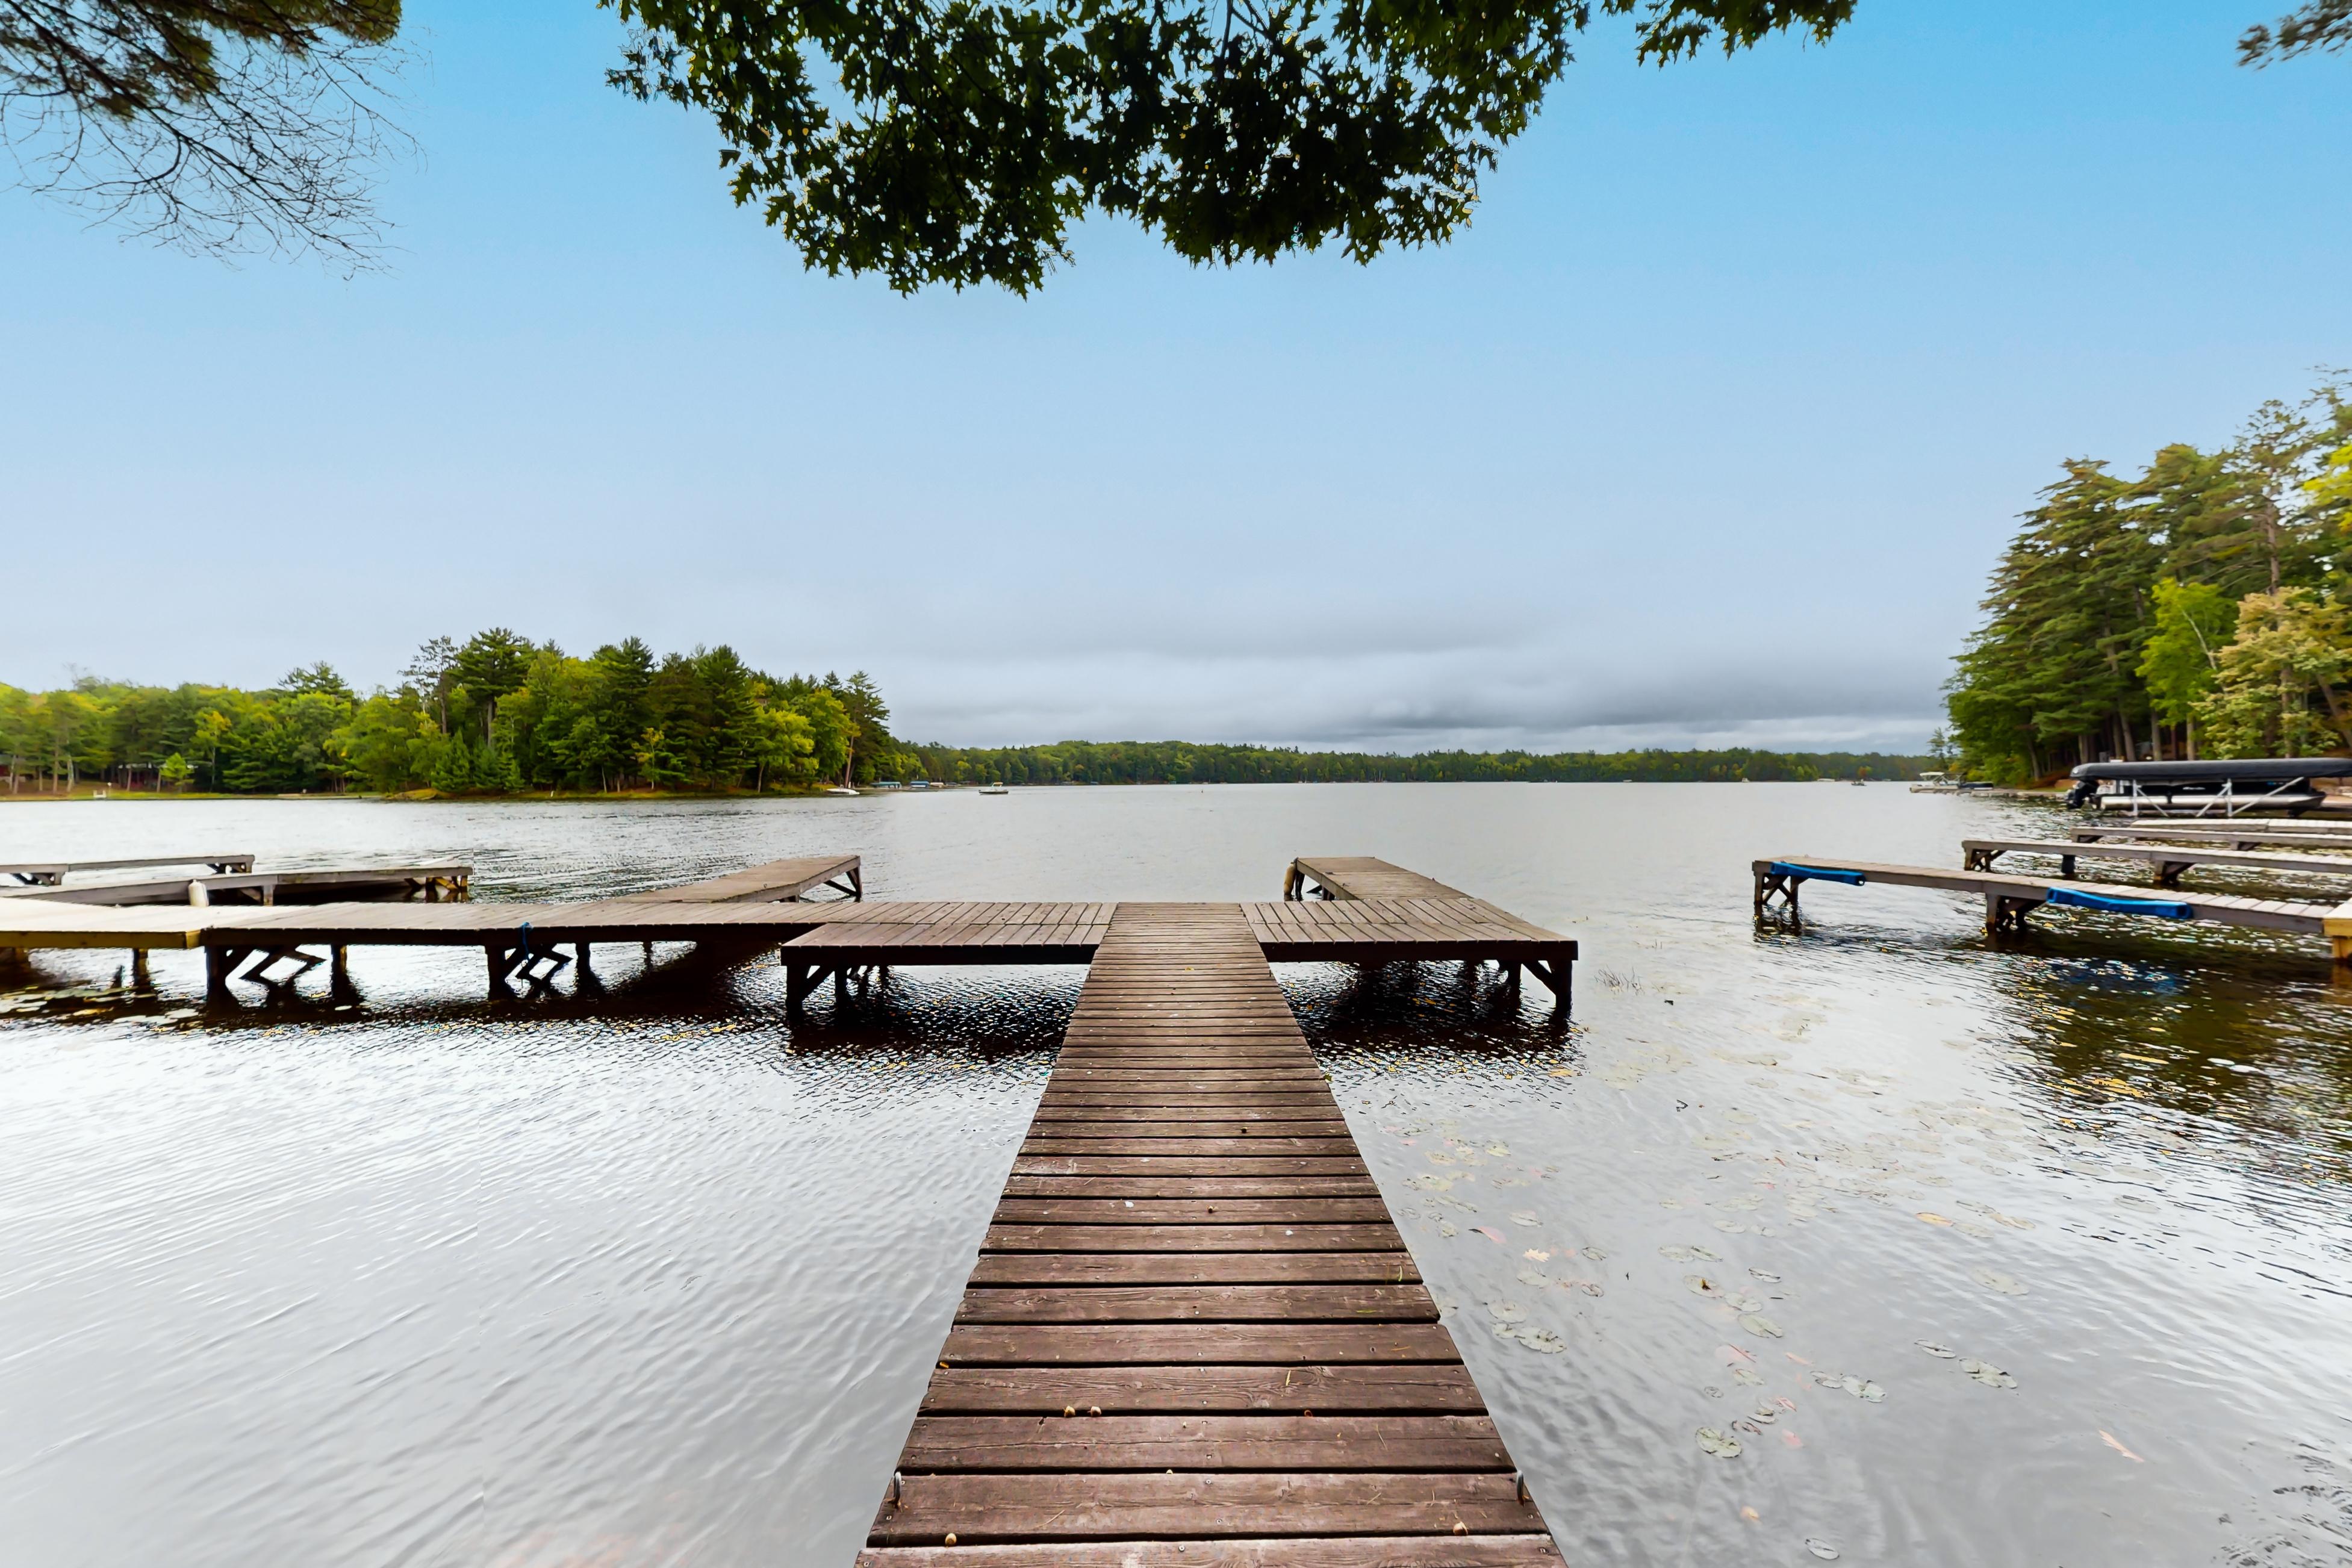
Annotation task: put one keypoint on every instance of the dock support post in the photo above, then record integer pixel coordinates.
(140, 976)
(2066, 866)
(220, 962)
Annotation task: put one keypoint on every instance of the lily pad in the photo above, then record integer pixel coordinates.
(1506, 1312)
(1722, 1445)
(1525, 1217)
(1993, 1279)
(1932, 1349)
(1698, 1285)
(1988, 1374)
(1821, 1548)
(1757, 1323)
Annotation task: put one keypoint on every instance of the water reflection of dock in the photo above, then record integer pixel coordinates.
(1193, 1334)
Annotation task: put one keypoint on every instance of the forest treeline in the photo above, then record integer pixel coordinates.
(495, 714)
(1179, 762)
(2200, 607)
(499, 714)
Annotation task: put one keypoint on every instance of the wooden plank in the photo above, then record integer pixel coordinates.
(1351, 1551)
(1188, 1303)
(1426, 1388)
(942, 1444)
(1177, 1345)
(1060, 1505)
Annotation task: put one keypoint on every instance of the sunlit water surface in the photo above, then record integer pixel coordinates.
(2033, 1253)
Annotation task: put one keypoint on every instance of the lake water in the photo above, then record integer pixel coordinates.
(658, 1279)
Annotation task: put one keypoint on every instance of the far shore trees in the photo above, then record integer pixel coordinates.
(2203, 607)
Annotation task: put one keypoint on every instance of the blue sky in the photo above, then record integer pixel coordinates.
(1707, 432)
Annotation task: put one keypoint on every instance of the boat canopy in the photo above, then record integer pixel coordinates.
(2239, 770)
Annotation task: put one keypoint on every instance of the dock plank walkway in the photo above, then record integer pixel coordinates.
(2240, 835)
(777, 881)
(49, 873)
(2169, 861)
(2010, 897)
(1193, 1334)
(1358, 877)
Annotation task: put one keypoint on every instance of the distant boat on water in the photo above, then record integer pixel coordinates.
(994, 789)
(841, 789)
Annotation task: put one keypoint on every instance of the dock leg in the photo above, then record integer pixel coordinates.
(2066, 866)
(140, 977)
(220, 962)
(2168, 874)
(2342, 948)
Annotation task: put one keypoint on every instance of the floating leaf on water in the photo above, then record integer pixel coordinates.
(1751, 1515)
(1595, 1254)
(1698, 1284)
(1747, 1375)
(1494, 1235)
(1729, 1226)
(1533, 1277)
(1765, 1275)
(1722, 1445)
(1932, 1349)
(1542, 1341)
(1506, 1312)
(1429, 1182)
(1525, 1217)
(1536, 1255)
(1498, 1148)
(1933, 1218)
(1764, 1413)
(1748, 1426)
(2112, 1442)
(1445, 1229)
(1821, 1548)
(1992, 1376)
(1757, 1323)
(1992, 1280)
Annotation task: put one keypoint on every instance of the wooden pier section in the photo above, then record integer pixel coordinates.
(2168, 860)
(1194, 1334)
(271, 888)
(2239, 835)
(1358, 877)
(51, 873)
(2010, 897)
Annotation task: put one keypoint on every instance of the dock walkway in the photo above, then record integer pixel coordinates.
(2010, 897)
(2243, 836)
(1358, 877)
(1194, 1334)
(2169, 861)
(50, 873)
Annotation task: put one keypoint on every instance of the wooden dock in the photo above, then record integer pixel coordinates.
(1358, 877)
(272, 888)
(2011, 897)
(2240, 836)
(2168, 860)
(51, 873)
(778, 881)
(1194, 1334)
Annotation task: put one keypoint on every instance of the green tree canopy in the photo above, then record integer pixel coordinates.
(957, 142)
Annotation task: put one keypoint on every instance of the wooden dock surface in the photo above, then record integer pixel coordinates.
(1194, 1334)
(777, 881)
(2009, 896)
(1358, 877)
(50, 873)
(2169, 861)
(341, 883)
(2237, 835)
